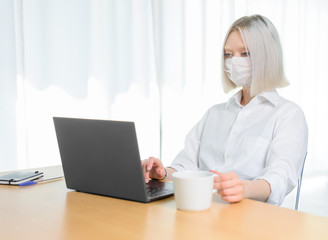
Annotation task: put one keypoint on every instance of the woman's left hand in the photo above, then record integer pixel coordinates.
(229, 186)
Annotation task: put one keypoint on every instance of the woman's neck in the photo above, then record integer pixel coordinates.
(246, 97)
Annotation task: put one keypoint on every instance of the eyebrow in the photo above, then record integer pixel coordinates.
(240, 48)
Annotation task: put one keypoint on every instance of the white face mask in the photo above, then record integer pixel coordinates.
(239, 70)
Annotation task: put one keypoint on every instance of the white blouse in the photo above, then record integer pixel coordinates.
(266, 139)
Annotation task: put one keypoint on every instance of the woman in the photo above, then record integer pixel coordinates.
(256, 142)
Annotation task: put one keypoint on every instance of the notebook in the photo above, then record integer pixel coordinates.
(17, 178)
(102, 157)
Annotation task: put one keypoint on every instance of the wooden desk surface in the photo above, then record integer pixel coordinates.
(51, 211)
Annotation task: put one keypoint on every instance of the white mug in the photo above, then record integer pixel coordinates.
(193, 189)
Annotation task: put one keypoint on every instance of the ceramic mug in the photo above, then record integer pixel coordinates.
(193, 190)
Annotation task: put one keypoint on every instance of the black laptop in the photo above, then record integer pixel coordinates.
(102, 157)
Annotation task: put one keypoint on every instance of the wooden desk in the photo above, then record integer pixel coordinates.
(50, 211)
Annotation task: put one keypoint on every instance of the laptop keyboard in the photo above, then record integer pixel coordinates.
(156, 189)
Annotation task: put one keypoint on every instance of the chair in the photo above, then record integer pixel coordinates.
(299, 183)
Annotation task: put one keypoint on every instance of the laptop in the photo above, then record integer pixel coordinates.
(102, 157)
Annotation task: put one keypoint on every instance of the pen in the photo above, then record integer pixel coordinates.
(32, 182)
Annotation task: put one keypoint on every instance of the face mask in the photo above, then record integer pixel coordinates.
(239, 70)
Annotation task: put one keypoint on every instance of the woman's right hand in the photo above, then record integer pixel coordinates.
(153, 168)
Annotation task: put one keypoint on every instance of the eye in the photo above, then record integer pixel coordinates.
(245, 54)
(227, 55)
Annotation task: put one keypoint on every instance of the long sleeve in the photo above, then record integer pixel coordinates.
(286, 153)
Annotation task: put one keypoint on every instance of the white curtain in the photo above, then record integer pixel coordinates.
(75, 58)
(156, 63)
(8, 87)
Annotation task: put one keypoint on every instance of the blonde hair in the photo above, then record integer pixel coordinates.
(261, 39)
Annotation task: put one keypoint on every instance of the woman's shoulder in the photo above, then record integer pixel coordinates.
(288, 105)
(288, 110)
(218, 111)
(281, 103)
(217, 107)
